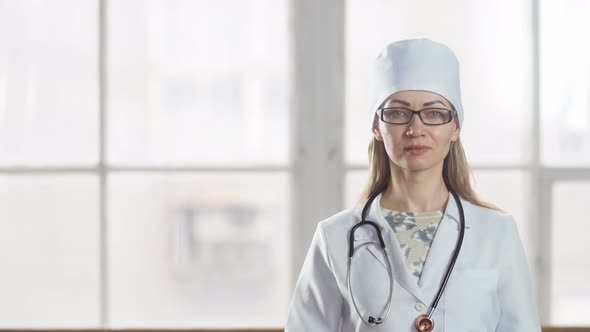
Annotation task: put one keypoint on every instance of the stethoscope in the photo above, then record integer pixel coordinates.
(423, 322)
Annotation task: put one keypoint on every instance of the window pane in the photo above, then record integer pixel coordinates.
(355, 183)
(191, 82)
(472, 30)
(565, 87)
(48, 82)
(49, 252)
(570, 261)
(199, 251)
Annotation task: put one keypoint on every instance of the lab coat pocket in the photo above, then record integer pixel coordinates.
(370, 283)
(471, 301)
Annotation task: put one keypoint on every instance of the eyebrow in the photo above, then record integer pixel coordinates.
(425, 104)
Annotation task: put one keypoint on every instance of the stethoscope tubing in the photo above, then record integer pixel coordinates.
(371, 321)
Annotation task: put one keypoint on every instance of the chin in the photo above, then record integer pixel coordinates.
(418, 168)
(419, 165)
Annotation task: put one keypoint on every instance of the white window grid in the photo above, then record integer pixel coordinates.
(316, 149)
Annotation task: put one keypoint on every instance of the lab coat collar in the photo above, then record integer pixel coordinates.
(451, 210)
(439, 254)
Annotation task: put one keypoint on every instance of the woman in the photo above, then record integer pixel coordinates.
(450, 261)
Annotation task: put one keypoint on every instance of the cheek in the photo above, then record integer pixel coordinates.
(443, 145)
(441, 136)
(394, 145)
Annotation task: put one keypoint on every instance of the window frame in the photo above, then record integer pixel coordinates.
(316, 165)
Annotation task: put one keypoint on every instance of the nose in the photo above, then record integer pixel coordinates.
(416, 126)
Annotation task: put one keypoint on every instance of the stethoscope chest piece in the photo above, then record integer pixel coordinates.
(424, 324)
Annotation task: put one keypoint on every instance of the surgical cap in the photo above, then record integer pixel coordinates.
(416, 64)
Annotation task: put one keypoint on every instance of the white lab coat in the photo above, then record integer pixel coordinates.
(488, 290)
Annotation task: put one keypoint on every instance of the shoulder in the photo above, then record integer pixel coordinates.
(342, 219)
(338, 224)
(487, 213)
(489, 219)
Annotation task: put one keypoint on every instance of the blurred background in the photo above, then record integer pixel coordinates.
(164, 163)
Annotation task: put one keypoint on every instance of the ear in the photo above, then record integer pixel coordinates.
(375, 129)
(456, 133)
(377, 134)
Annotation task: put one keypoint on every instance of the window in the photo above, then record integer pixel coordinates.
(140, 188)
(565, 124)
(162, 161)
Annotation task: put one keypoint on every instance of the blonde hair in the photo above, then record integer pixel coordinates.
(456, 173)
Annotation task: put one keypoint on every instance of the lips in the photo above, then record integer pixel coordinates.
(417, 147)
(417, 150)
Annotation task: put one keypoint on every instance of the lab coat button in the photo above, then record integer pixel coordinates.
(419, 306)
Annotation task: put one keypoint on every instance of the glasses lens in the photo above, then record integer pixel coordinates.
(436, 116)
(396, 115)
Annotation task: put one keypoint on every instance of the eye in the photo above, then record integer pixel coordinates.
(433, 114)
(436, 116)
(395, 112)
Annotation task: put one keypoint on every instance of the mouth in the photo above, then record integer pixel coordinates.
(417, 150)
(417, 147)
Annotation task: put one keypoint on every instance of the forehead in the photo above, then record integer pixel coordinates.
(416, 98)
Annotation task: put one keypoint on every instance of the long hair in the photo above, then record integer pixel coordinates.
(456, 173)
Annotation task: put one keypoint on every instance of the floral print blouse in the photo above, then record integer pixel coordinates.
(414, 231)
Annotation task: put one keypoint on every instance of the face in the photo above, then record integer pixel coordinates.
(397, 138)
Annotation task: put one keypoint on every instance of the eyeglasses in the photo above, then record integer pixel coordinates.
(429, 116)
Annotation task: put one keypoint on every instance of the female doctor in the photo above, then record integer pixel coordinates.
(420, 252)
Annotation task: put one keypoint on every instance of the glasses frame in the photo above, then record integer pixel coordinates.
(452, 111)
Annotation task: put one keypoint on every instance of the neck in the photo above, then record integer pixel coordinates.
(415, 191)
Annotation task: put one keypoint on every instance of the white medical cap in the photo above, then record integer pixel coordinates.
(417, 64)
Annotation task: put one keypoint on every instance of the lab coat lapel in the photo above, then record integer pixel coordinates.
(400, 272)
(441, 250)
